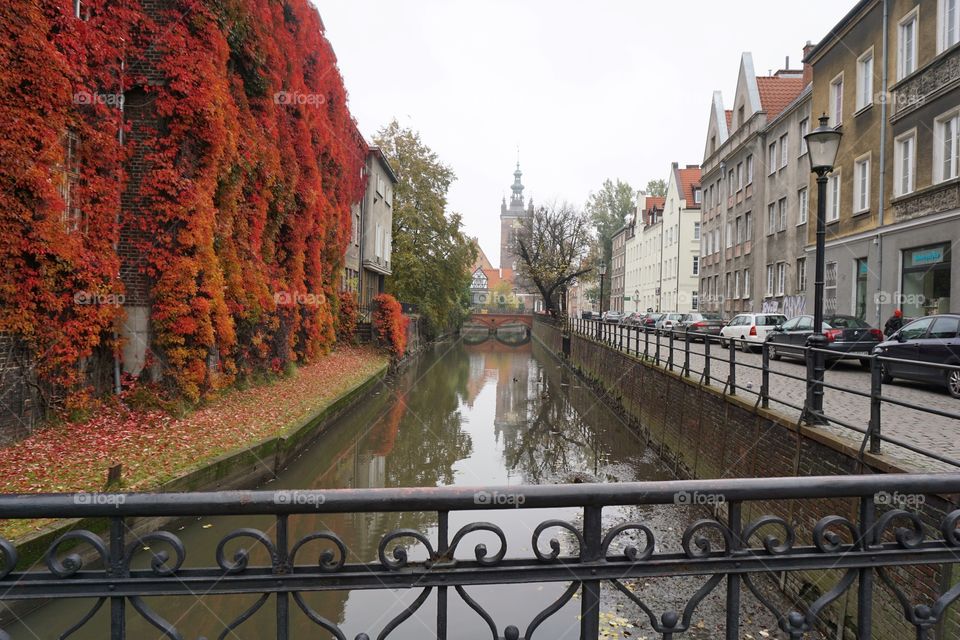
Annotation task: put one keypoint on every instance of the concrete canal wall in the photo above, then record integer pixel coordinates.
(705, 434)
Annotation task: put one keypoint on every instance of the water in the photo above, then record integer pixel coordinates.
(489, 413)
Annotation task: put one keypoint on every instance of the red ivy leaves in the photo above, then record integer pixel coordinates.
(246, 195)
(390, 323)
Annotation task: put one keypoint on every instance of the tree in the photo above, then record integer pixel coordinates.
(552, 246)
(656, 188)
(431, 255)
(608, 210)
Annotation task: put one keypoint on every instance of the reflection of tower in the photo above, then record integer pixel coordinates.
(511, 219)
(513, 396)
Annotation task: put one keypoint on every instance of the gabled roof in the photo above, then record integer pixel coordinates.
(481, 262)
(653, 202)
(688, 179)
(777, 92)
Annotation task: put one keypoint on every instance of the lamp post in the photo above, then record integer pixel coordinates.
(822, 146)
(602, 270)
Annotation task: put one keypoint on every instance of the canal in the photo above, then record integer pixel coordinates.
(473, 412)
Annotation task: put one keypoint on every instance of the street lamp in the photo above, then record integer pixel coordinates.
(822, 146)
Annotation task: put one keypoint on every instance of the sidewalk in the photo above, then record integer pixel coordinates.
(154, 447)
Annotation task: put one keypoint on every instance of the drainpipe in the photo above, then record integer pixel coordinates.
(883, 157)
(116, 246)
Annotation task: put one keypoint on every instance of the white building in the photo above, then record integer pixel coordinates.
(668, 269)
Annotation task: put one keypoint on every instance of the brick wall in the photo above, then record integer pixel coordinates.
(703, 434)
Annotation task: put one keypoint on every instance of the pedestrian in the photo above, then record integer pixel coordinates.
(894, 323)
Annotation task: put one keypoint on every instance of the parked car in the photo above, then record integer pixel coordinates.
(700, 323)
(848, 336)
(613, 317)
(649, 320)
(750, 328)
(668, 320)
(933, 339)
(634, 319)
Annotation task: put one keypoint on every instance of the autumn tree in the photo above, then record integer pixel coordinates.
(431, 255)
(608, 209)
(552, 246)
(656, 188)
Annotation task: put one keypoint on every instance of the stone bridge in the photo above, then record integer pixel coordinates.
(495, 319)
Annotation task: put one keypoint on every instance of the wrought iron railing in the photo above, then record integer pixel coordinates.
(868, 539)
(719, 366)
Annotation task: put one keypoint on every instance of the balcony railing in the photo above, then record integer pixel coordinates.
(868, 540)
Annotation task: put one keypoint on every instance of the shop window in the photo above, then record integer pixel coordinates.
(925, 282)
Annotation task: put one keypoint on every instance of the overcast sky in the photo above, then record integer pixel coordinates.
(586, 90)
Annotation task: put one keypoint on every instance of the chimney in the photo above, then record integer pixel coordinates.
(807, 68)
(787, 64)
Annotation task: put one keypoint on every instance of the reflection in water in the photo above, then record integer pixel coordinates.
(476, 414)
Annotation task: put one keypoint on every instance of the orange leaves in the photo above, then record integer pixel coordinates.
(390, 323)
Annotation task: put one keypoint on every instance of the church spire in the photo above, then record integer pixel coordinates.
(517, 187)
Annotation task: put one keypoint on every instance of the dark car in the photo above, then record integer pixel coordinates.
(650, 319)
(633, 320)
(847, 337)
(934, 339)
(698, 324)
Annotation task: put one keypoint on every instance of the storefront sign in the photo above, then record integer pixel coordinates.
(926, 256)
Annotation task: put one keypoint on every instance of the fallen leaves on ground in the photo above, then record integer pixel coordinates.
(154, 447)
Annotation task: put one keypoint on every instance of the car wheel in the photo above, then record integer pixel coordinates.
(953, 382)
(774, 354)
(723, 343)
(745, 346)
(885, 377)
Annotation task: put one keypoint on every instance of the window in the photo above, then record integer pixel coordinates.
(946, 146)
(804, 129)
(748, 223)
(769, 280)
(68, 175)
(907, 46)
(739, 176)
(740, 117)
(716, 240)
(803, 205)
(736, 284)
(861, 185)
(380, 188)
(781, 277)
(949, 24)
(746, 283)
(830, 288)
(783, 150)
(696, 265)
(697, 197)
(801, 274)
(771, 218)
(904, 163)
(865, 79)
(739, 232)
(782, 214)
(694, 300)
(772, 158)
(833, 197)
(378, 240)
(945, 328)
(836, 101)
(730, 183)
(750, 169)
(726, 286)
(729, 235)
(696, 230)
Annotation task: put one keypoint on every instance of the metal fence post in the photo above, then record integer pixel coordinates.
(868, 512)
(765, 375)
(657, 357)
(592, 551)
(686, 353)
(670, 352)
(620, 337)
(733, 579)
(876, 390)
(732, 378)
(646, 343)
(118, 616)
(706, 359)
(443, 542)
(281, 566)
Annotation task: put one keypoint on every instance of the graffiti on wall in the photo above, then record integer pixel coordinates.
(790, 306)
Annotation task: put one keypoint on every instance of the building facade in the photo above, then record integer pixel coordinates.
(617, 269)
(754, 175)
(376, 227)
(892, 86)
(680, 262)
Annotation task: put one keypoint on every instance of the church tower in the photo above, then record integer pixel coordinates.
(511, 219)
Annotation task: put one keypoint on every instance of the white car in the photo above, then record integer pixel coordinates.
(750, 328)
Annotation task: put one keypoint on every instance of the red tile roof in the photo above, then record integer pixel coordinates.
(653, 201)
(776, 92)
(729, 114)
(687, 179)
